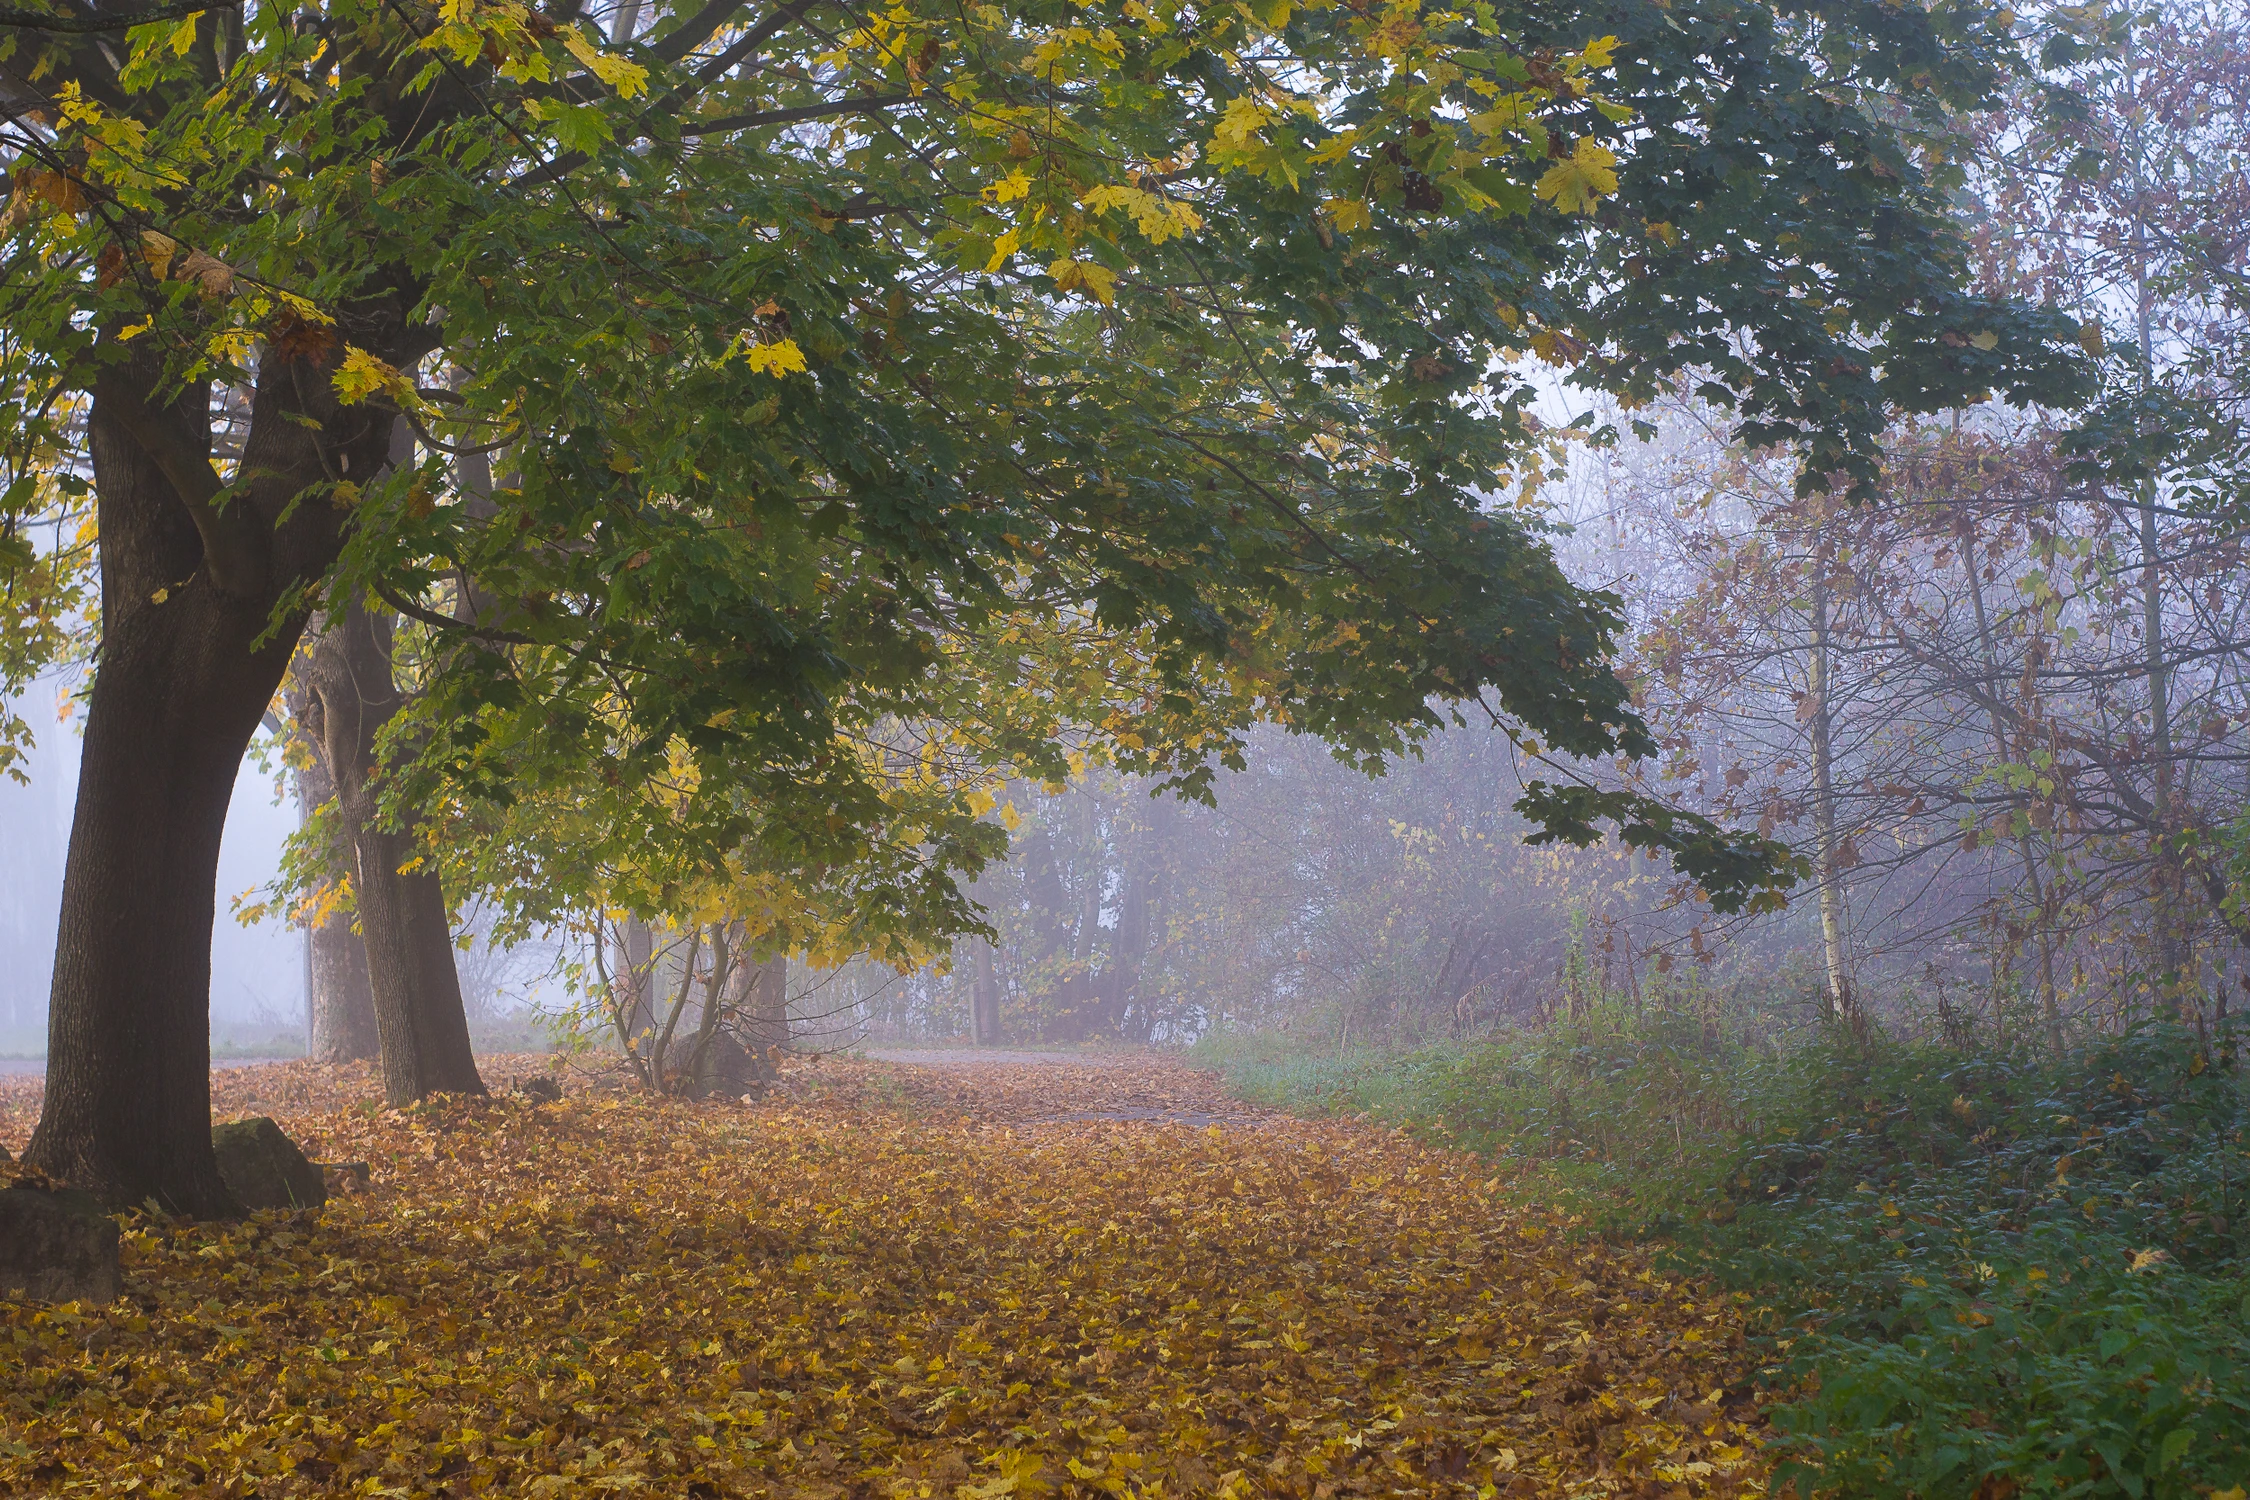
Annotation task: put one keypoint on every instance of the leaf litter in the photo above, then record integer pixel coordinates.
(883, 1281)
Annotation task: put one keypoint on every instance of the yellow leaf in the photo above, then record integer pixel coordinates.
(156, 250)
(1243, 119)
(362, 375)
(1986, 341)
(1348, 214)
(782, 357)
(629, 78)
(1581, 180)
(183, 35)
(1004, 249)
(1097, 281)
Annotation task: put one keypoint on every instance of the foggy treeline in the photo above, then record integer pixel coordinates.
(1999, 707)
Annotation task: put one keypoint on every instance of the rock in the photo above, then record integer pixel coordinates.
(263, 1168)
(727, 1070)
(56, 1245)
(540, 1089)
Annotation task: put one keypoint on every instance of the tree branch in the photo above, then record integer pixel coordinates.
(672, 49)
(431, 617)
(705, 23)
(859, 104)
(33, 20)
(230, 553)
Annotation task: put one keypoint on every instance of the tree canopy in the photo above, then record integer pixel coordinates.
(718, 395)
(812, 343)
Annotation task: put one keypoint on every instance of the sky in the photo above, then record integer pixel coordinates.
(257, 973)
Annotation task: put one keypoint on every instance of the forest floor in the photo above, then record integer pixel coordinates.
(1051, 1277)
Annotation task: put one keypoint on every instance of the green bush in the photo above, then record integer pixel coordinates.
(1977, 1270)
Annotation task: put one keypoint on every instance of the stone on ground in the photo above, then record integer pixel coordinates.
(56, 1245)
(263, 1167)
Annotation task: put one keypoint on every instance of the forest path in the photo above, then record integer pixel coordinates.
(887, 1282)
(1028, 1087)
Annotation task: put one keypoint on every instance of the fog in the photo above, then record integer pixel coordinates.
(257, 972)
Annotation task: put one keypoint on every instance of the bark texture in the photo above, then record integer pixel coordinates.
(192, 577)
(420, 1021)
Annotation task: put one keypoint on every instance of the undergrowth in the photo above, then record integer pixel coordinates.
(1981, 1273)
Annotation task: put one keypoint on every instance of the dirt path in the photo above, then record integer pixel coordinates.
(890, 1281)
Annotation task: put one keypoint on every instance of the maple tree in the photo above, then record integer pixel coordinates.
(801, 338)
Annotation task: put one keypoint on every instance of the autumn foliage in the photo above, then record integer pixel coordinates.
(887, 1281)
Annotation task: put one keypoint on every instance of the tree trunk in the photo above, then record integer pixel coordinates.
(2173, 952)
(767, 1023)
(342, 1000)
(1827, 854)
(191, 652)
(984, 1000)
(176, 698)
(1147, 849)
(637, 965)
(2050, 1008)
(419, 1017)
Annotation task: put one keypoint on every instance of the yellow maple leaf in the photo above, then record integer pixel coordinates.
(183, 35)
(1097, 281)
(1582, 179)
(1348, 214)
(629, 78)
(782, 357)
(362, 375)
(1004, 249)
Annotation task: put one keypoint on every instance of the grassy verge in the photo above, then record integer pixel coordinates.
(1986, 1274)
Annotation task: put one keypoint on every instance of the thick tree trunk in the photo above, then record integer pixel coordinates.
(175, 701)
(419, 1017)
(637, 952)
(343, 998)
(190, 656)
(767, 1023)
(984, 1000)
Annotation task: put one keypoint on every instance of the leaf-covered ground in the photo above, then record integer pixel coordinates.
(888, 1281)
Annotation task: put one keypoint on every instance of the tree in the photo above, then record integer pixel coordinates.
(342, 997)
(1195, 321)
(351, 696)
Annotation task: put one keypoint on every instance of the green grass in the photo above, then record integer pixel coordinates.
(1950, 1250)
